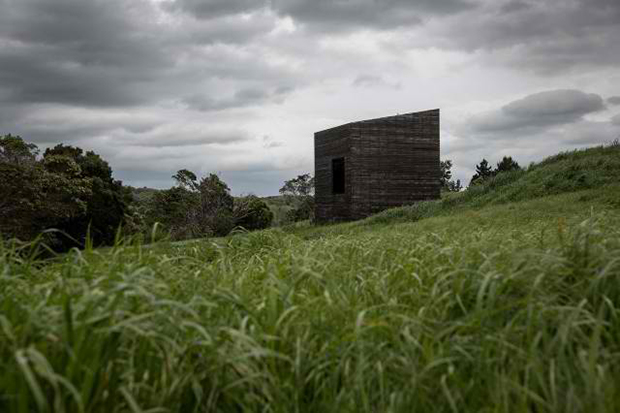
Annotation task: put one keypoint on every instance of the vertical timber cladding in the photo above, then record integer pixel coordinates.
(388, 162)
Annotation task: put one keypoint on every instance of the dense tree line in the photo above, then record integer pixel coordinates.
(64, 189)
(70, 197)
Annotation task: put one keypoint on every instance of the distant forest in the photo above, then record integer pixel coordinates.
(70, 198)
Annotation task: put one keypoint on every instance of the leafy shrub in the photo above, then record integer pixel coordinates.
(252, 213)
(302, 209)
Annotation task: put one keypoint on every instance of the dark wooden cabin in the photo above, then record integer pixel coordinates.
(365, 167)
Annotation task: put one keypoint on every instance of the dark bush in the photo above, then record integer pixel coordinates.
(252, 213)
(66, 190)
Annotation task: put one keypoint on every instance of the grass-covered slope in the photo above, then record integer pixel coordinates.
(501, 299)
(579, 170)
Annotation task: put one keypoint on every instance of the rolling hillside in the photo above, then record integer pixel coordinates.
(505, 297)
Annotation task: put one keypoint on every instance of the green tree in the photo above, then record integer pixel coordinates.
(14, 150)
(455, 186)
(107, 204)
(215, 215)
(446, 182)
(506, 164)
(483, 171)
(186, 179)
(38, 195)
(193, 209)
(298, 193)
(446, 173)
(301, 186)
(176, 209)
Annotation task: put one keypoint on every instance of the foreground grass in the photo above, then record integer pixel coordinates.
(510, 308)
(513, 307)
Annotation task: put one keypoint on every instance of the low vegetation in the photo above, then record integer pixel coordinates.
(502, 298)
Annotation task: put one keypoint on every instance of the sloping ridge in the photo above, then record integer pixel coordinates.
(578, 170)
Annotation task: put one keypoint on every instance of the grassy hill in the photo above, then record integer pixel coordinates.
(505, 297)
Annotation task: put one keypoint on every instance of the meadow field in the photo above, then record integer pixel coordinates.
(502, 298)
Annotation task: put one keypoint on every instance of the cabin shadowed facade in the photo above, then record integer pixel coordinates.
(365, 167)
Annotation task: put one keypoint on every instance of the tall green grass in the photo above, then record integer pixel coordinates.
(513, 307)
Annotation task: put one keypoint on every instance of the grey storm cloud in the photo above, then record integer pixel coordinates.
(210, 9)
(343, 15)
(116, 53)
(79, 52)
(46, 123)
(328, 14)
(241, 98)
(161, 137)
(228, 29)
(158, 85)
(367, 80)
(546, 37)
(61, 58)
(539, 110)
(514, 6)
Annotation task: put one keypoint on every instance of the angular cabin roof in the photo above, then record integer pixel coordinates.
(395, 119)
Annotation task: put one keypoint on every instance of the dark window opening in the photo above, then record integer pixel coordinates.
(338, 176)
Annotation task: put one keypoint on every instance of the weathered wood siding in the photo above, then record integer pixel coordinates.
(389, 162)
(328, 145)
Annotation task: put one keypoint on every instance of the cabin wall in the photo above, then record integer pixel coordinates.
(398, 161)
(389, 162)
(328, 145)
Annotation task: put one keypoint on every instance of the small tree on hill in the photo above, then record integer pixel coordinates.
(298, 193)
(483, 171)
(446, 182)
(186, 179)
(506, 164)
(446, 173)
(455, 186)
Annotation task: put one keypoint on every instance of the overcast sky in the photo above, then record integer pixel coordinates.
(238, 87)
